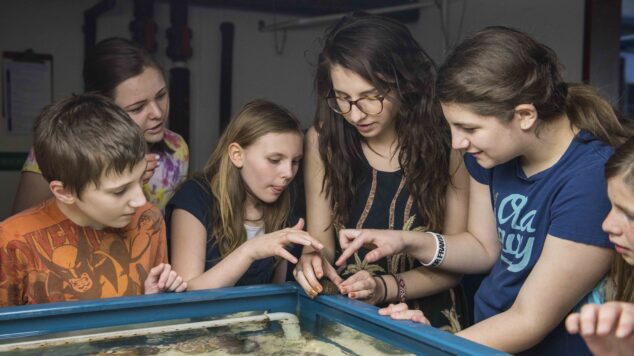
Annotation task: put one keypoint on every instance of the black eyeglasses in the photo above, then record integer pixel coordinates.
(371, 105)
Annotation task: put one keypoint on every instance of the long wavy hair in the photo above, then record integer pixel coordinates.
(383, 52)
(499, 68)
(256, 119)
(621, 164)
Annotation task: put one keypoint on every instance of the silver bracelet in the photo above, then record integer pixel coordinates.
(439, 256)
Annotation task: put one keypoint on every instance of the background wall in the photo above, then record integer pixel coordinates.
(55, 27)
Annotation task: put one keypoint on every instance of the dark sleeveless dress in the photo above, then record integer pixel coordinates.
(383, 202)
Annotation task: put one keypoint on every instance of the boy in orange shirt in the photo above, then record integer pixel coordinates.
(97, 237)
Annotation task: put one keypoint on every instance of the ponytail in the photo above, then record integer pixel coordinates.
(589, 111)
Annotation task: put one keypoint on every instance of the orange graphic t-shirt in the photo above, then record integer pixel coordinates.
(45, 257)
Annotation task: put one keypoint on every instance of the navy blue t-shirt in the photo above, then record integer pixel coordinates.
(195, 197)
(568, 200)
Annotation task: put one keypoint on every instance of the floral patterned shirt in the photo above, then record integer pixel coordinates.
(174, 163)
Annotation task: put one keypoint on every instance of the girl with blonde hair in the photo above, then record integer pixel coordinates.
(227, 223)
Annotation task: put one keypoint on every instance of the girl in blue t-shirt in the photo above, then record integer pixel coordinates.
(535, 147)
(608, 329)
(226, 224)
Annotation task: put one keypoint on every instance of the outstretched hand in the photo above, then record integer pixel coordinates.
(607, 329)
(274, 244)
(163, 279)
(402, 312)
(381, 243)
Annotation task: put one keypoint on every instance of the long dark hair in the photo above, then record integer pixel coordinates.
(383, 52)
(499, 68)
(113, 61)
(622, 164)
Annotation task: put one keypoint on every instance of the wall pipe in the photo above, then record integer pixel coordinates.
(90, 23)
(317, 20)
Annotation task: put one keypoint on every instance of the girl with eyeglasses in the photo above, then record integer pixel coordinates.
(379, 157)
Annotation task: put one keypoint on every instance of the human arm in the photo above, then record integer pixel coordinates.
(536, 312)
(421, 281)
(32, 189)
(189, 241)
(313, 265)
(472, 251)
(607, 329)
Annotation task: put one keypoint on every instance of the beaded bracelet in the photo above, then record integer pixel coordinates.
(439, 256)
(384, 290)
(402, 290)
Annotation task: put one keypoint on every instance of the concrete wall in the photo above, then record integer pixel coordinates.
(54, 27)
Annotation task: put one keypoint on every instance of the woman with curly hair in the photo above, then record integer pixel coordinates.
(379, 157)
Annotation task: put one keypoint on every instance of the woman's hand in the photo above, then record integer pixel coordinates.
(363, 286)
(163, 278)
(274, 243)
(382, 243)
(607, 329)
(152, 160)
(312, 266)
(401, 312)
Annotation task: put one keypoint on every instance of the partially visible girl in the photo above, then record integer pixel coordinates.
(608, 329)
(228, 225)
(124, 72)
(535, 147)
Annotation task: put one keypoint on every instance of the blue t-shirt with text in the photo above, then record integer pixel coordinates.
(568, 201)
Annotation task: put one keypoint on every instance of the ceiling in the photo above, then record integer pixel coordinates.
(308, 8)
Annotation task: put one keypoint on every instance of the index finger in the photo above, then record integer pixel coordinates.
(164, 276)
(151, 165)
(313, 272)
(156, 270)
(347, 236)
(352, 247)
(151, 157)
(331, 274)
(303, 238)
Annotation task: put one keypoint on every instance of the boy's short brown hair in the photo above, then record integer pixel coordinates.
(79, 139)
